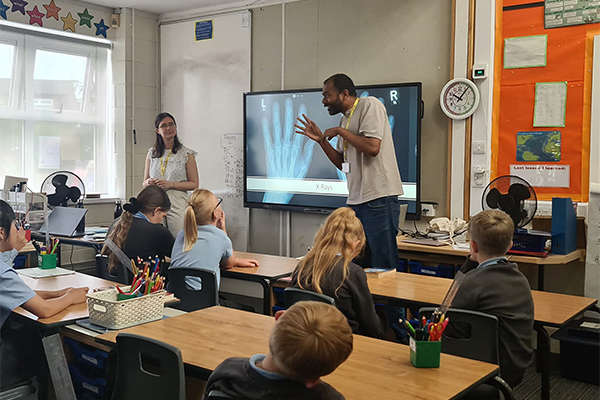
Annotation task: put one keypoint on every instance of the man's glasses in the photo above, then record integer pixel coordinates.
(218, 203)
(169, 125)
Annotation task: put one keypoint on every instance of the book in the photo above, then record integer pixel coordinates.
(379, 272)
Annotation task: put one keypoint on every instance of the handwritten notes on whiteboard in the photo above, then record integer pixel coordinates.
(233, 160)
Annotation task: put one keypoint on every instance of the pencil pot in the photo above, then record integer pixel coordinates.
(47, 261)
(425, 354)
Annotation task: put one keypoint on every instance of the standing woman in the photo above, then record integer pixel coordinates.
(171, 166)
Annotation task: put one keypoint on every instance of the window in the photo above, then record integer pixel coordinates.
(54, 108)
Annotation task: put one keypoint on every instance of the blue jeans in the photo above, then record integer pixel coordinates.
(380, 222)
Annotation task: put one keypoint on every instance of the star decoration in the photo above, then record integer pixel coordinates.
(3, 8)
(69, 22)
(19, 5)
(85, 18)
(35, 16)
(101, 28)
(52, 10)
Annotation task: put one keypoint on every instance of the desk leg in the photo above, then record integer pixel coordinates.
(540, 285)
(266, 296)
(543, 359)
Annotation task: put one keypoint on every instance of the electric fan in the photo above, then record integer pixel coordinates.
(515, 196)
(62, 186)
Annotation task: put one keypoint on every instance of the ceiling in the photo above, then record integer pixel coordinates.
(174, 6)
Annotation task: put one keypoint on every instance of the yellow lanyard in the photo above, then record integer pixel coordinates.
(163, 164)
(347, 125)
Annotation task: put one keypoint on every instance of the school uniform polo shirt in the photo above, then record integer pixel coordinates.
(13, 291)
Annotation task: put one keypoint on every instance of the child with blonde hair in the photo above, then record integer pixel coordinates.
(328, 269)
(203, 243)
(308, 341)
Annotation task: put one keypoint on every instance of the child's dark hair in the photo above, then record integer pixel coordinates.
(7, 217)
(150, 198)
(159, 145)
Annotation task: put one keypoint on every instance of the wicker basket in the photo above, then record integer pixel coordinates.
(106, 311)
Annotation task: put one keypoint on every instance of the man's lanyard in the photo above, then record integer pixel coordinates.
(347, 125)
(163, 164)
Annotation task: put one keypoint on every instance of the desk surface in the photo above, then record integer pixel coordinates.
(550, 308)
(375, 369)
(270, 267)
(74, 312)
(553, 259)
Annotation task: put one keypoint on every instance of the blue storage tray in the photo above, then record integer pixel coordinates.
(86, 385)
(442, 270)
(87, 355)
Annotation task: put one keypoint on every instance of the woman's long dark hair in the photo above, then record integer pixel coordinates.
(150, 198)
(159, 145)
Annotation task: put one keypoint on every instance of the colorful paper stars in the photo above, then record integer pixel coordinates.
(52, 10)
(35, 16)
(19, 5)
(3, 8)
(101, 28)
(85, 18)
(69, 22)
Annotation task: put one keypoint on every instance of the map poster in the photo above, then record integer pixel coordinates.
(538, 146)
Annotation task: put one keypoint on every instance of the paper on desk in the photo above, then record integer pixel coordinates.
(461, 246)
(37, 273)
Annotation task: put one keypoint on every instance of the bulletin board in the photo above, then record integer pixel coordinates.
(567, 63)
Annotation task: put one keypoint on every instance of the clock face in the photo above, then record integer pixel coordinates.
(459, 98)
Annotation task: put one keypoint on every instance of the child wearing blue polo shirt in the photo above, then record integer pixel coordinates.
(203, 243)
(14, 293)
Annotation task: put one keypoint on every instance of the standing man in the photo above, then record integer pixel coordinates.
(365, 152)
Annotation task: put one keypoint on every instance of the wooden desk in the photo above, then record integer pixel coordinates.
(550, 309)
(449, 255)
(72, 313)
(270, 269)
(375, 369)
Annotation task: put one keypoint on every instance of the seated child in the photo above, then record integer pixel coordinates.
(328, 269)
(138, 231)
(19, 349)
(495, 286)
(309, 340)
(203, 242)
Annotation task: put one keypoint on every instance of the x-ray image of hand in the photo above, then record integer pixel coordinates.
(288, 155)
(391, 118)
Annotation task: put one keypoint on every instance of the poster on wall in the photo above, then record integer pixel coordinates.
(558, 13)
(550, 104)
(556, 176)
(525, 51)
(538, 146)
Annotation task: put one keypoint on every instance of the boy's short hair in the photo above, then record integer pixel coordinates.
(493, 231)
(310, 340)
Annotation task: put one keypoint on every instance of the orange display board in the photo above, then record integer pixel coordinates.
(569, 59)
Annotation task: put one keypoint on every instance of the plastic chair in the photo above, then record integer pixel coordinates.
(148, 369)
(481, 345)
(294, 295)
(119, 274)
(190, 299)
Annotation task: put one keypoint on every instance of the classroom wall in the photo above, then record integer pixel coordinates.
(380, 41)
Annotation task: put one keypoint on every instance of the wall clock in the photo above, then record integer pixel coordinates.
(459, 98)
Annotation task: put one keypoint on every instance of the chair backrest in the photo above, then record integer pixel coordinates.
(294, 295)
(119, 274)
(148, 369)
(470, 334)
(192, 299)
